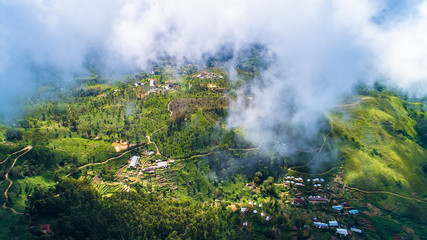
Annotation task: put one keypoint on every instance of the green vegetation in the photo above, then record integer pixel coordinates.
(381, 146)
(81, 211)
(77, 177)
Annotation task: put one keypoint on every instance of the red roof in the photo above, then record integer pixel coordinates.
(299, 200)
(46, 228)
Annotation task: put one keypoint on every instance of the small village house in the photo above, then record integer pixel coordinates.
(134, 161)
(354, 211)
(314, 199)
(333, 224)
(298, 201)
(342, 232)
(337, 207)
(321, 225)
(162, 164)
(46, 228)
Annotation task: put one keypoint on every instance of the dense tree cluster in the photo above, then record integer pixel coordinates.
(81, 212)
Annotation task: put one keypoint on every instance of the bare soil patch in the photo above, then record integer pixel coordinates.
(120, 146)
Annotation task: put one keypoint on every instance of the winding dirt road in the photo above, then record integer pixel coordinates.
(386, 192)
(14, 154)
(149, 139)
(6, 176)
(318, 152)
(104, 162)
(169, 108)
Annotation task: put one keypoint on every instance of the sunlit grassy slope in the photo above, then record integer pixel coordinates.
(381, 147)
(85, 150)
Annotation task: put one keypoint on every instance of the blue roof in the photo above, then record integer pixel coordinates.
(337, 207)
(355, 211)
(333, 223)
(320, 224)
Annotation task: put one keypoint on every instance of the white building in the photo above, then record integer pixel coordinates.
(333, 223)
(162, 164)
(134, 160)
(342, 231)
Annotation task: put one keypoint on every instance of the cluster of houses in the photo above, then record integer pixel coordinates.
(299, 181)
(138, 84)
(160, 164)
(206, 75)
(169, 86)
(334, 224)
(318, 199)
(153, 85)
(254, 204)
(311, 199)
(343, 208)
(165, 87)
(340, 231)
(134, 162)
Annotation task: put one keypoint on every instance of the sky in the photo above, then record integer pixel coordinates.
(322, 48)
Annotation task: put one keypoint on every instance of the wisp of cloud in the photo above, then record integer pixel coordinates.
(321, 48)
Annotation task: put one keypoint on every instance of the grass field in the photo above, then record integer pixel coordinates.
(380, 148)
(85, 150)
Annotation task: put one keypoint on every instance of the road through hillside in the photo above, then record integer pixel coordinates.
(6, 176)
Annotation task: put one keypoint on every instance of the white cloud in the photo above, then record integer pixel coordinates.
(323, 47)
(400, 50)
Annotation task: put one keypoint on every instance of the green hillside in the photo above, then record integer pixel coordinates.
(67, 161)
(381, 145)
(383, 150)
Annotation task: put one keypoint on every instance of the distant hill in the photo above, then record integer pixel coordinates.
(382, 142)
